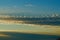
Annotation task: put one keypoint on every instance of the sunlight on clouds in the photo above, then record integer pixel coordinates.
(31, 28)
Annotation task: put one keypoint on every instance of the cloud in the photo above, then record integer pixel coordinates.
(12, 9)
(29, 5)
(15, 9)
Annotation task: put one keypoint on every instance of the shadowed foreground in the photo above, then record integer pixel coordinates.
(25, 36)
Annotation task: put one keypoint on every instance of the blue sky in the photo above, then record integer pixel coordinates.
(30, 7)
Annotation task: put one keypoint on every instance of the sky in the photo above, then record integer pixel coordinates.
(29, 7)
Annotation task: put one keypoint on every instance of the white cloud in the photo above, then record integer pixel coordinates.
(29, 5)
